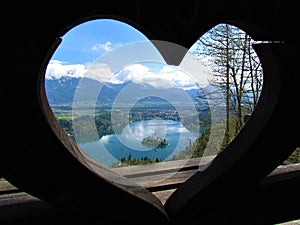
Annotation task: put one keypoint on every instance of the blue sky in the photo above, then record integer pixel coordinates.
(88, 41)
(85, 48)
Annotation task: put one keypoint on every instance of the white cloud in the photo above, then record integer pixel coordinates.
(177, 76)
(107, 46)
(98, 71)
(133, 73)
(164, 77)
(57, 69)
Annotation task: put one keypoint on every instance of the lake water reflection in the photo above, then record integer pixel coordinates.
(111, 148)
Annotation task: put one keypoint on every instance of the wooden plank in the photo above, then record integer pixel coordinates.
(286, 169)
(16, 198)
(164, 167)
(163, 195)
(6, 187)
(160, 181)
(163, 181)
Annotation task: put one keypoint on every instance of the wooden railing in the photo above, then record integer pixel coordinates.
(161, 179)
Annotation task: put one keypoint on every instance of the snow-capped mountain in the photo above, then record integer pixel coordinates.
(65, 90)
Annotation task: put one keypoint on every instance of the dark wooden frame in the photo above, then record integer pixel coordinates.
(45, 163)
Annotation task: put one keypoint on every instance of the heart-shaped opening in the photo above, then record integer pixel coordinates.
(51, 166)
(114, 94)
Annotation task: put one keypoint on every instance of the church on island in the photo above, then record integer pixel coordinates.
(154, 140)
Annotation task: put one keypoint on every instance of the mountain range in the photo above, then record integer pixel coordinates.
(62, 91)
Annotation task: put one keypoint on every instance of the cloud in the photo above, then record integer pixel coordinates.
(98, 71)
(133, 73)
(57, 69)
(162, 76)
(107, 46)
(166, 77)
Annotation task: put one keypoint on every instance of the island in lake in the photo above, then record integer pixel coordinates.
(154, 141)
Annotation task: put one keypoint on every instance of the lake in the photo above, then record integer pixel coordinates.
(111, 148)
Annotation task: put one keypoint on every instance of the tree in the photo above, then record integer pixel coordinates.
(237, 72)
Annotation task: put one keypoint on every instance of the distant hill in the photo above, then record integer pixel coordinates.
(61, 91)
